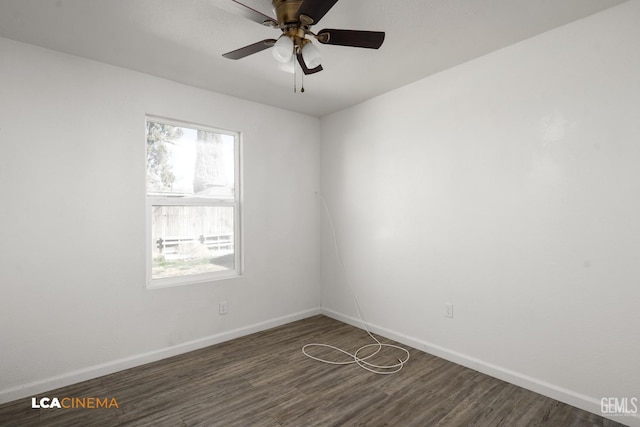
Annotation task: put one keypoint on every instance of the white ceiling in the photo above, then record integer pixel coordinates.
(183, 40)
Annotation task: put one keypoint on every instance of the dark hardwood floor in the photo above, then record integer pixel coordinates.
(265, 380)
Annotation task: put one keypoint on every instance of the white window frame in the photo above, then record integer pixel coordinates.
(152, 201)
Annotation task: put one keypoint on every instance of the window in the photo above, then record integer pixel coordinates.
(193, 212)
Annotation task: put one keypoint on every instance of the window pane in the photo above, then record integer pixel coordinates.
(191, 240)
(183, 162)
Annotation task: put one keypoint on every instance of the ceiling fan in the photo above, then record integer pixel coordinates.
(295, 19)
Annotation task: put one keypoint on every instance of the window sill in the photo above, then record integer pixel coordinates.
(195, 279)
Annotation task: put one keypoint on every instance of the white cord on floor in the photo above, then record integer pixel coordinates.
(363, 362)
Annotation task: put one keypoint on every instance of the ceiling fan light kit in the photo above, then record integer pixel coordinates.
(311, 55)
(288, 67)
(283, 49)
(294, 18)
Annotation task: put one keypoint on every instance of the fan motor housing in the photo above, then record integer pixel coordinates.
(286, 10)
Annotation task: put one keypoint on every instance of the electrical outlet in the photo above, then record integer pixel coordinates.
(448, 310)
(223, 308)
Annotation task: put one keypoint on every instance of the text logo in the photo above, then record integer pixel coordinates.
(73, 402)
(619, 405)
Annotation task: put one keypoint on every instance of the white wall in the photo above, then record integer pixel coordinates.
(510, 187)
(73, 302)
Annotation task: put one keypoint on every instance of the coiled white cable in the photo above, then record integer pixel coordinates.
(363, 362)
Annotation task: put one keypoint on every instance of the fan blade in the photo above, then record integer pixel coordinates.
(250, 50)
(306, 69)
(245, 11)
(315, 9)
(366, 39)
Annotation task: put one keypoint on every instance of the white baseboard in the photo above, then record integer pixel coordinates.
(569, 397)
(36, 387)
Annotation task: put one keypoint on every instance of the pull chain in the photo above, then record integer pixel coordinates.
(295, 75)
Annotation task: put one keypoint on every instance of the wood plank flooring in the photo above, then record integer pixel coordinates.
(265, 380)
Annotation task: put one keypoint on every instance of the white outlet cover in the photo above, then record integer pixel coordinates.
(222, 308)
(448, 310)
